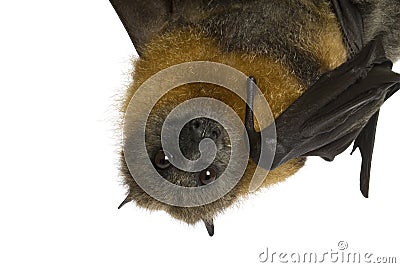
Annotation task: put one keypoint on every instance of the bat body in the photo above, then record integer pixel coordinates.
(295, 49)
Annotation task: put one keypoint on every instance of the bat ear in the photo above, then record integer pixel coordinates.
(143, 19)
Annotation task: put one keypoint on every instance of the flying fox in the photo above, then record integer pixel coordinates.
(324, 67)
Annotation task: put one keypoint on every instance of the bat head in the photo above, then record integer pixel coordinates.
(168, 33)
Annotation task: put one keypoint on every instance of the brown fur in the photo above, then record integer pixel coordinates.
(277, 82)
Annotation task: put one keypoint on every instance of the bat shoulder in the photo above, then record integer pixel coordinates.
(382, 17)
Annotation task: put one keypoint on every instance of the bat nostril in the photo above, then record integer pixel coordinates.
(201, 128)
(216, 133)
(195, 124)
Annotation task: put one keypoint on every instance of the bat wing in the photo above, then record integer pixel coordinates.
(143, 20)
(341, 107)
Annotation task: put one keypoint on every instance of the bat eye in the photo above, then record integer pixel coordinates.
(161, 160)
(208, 176)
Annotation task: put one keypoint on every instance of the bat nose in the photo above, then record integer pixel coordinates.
(201, 128)
(198, 129)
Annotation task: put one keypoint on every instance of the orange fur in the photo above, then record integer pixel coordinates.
(279, 86)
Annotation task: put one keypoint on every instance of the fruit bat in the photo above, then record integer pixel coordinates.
(323, 66)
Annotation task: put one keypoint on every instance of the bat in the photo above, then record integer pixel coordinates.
(324, 68)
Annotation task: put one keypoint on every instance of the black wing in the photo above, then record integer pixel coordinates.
(341, 107)
(143, 19)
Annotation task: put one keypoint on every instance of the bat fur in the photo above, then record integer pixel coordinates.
(285, 44)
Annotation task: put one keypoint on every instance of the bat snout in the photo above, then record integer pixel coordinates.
(190, 138)
(197, 130)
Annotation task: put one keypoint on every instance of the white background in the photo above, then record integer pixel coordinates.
(62, 66)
